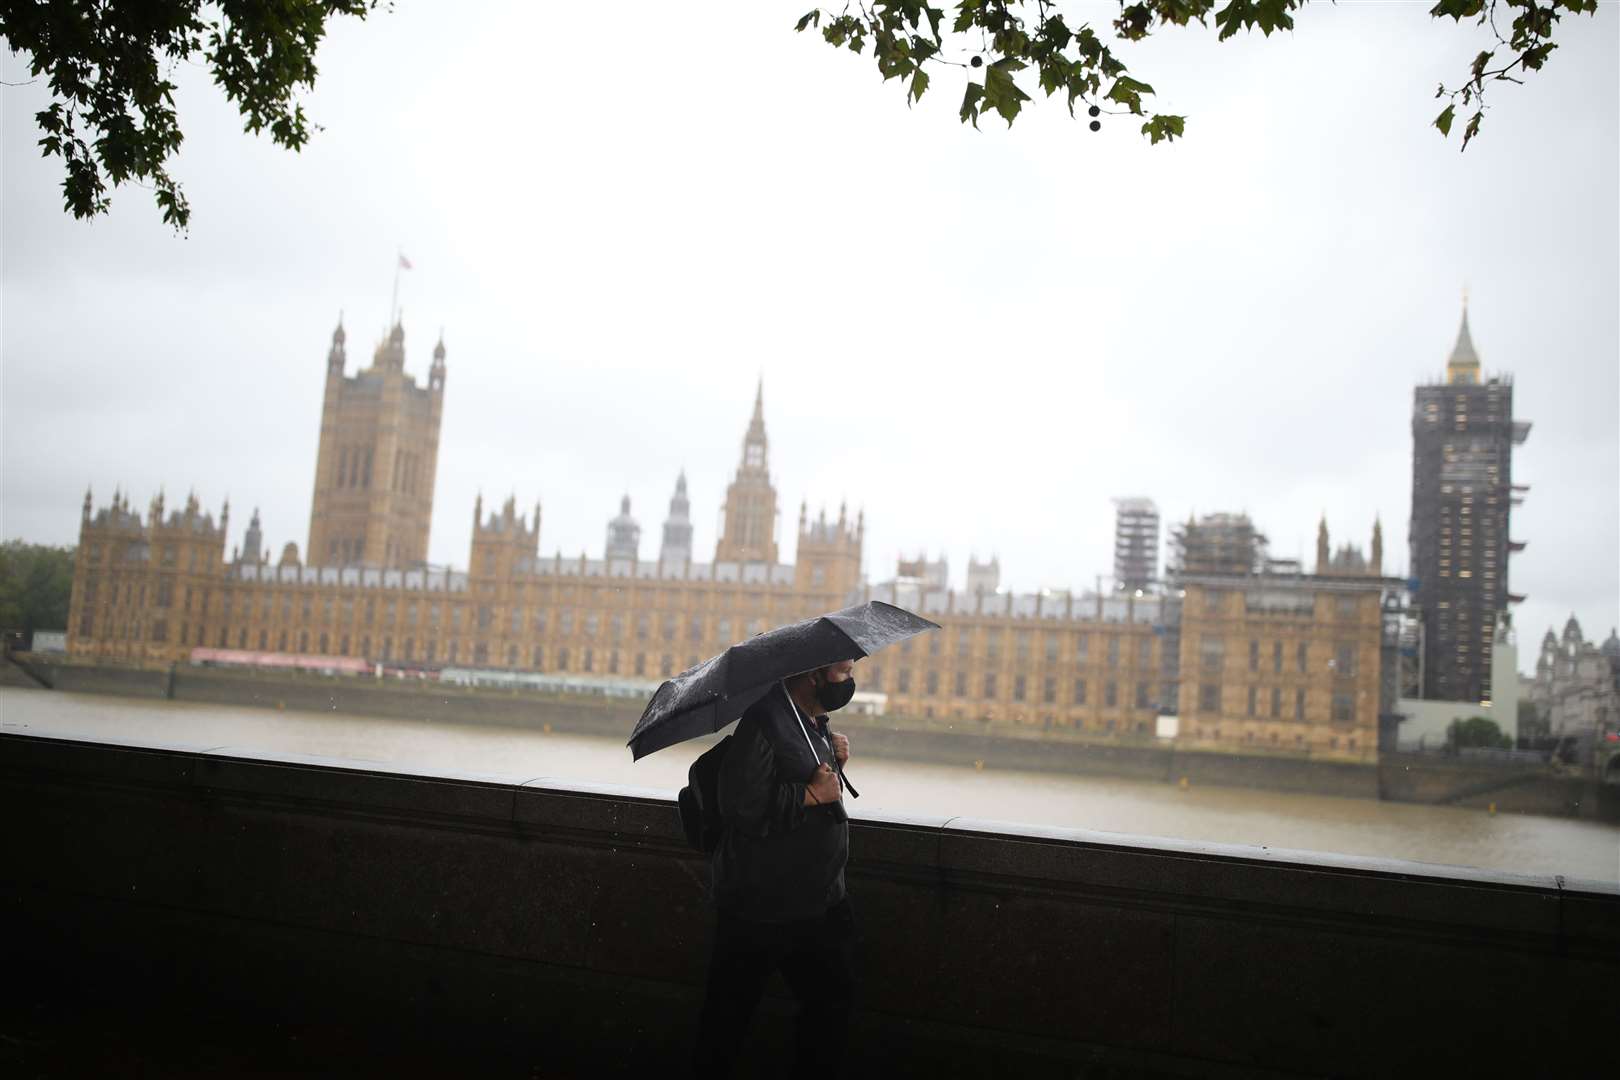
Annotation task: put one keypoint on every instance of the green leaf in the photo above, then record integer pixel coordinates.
(1457, 9)
(1162, 128)
(1054, 74)
(1533, 58)
(966, 14)
(919, 83)
(970, 103)
(1128, 92)
(1443, 121)
(811, 19)
(1001, 93)
(1473, 127)
(1264, 15)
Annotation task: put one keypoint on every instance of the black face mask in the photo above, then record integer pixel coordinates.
(833, 696)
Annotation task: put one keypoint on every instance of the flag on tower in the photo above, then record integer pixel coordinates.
(404, 263)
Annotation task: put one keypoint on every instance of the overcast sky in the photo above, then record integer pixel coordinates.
(981, 337)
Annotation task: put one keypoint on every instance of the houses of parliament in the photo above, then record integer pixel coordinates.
(1244, 652)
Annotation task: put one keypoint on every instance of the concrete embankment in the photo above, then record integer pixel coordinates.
(1438, 780)
(562, 930)
(1418, 778)
(18, 676)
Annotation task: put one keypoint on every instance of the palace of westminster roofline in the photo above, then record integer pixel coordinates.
(919, 584)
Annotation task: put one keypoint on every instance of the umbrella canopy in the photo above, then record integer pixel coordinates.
(703, 699)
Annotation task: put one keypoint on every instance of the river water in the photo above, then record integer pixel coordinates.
(1445, 835)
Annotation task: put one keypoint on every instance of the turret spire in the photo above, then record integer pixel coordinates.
(749, 532)
(624, 535)
(337, 354)
(675, 552)
(1463, 367)
(756, 423)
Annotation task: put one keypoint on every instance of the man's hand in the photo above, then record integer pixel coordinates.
(840, 744)
(822, 788)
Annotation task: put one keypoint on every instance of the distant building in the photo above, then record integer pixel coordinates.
(154, 589)
(49, 641)
(623, 536)
(1348, 560)
(1425, 723)
(1283, 662)
(1576, 692)
(748, 534)
(1463, 435)
(376, 460)
(984, 577)
(675, 553)
(932, 575)
(252, 542)
(1217, 544)
(1136, 544)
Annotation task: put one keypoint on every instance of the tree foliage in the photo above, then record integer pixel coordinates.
(109, 66)
(36, 582)
(112, 117)
(996, 41)
(1478, 731)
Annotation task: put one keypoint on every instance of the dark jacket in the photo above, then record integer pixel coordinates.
(778, 860)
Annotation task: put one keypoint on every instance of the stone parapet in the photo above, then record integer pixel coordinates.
(566, 924)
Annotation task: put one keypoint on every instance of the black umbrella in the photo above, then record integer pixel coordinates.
(703, 699)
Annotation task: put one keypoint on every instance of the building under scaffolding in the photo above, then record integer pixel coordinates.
(1463, 435)
(1136, 544)
(1217, 544)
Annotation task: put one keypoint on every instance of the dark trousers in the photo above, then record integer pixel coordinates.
(815, 957)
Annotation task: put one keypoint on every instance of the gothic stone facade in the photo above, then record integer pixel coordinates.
(1576, 693)
(1277, 662)
(1283, 663)
(378, 456)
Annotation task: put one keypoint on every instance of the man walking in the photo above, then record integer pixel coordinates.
(777, 877)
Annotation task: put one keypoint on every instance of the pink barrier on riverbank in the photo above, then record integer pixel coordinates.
(347, 665)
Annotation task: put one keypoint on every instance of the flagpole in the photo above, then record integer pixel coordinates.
(393, 304)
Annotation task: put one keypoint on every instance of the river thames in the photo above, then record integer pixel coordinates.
(1446, 835)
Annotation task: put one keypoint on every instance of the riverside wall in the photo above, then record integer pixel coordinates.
(562, 930)
(1419, 778)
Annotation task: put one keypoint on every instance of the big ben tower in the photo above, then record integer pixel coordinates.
(750, 523)
(1463, 436)
(379, 453)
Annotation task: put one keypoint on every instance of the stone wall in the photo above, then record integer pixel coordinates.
(126, 681)
(1510, 787)
(564, 929)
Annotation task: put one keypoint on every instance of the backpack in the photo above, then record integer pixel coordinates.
(699, 800)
